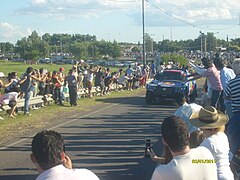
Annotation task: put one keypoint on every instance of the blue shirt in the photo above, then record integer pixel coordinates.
(226, 74)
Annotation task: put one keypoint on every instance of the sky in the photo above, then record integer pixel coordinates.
(120, 20)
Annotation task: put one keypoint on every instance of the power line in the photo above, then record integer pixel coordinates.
(191, 24)
(170, 14)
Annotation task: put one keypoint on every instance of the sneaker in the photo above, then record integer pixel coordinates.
(1, 118)
(27, 114)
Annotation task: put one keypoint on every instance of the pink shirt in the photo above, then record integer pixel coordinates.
(213, 76)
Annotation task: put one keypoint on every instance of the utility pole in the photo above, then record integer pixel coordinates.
(143, 32)
(201, 41)
(205, 43)
(171, 33)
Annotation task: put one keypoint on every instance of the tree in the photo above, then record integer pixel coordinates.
(6, 47)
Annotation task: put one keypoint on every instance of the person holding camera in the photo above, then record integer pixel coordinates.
(52, 163)
(27, 87)
(187, 163)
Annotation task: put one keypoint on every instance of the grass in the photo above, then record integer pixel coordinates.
(41, 118)
(8, 66)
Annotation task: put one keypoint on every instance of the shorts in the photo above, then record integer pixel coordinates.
(130, 80)
(89, 84)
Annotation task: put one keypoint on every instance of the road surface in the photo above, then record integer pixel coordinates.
(109, 139)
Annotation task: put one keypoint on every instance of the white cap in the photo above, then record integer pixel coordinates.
(2, 74)
(81, 61)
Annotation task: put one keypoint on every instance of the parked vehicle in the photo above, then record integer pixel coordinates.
(127, 63)
(118, 64)
(168, 83)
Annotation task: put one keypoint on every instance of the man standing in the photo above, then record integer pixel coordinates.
(52, 163)
(71, 80)
(187, 163)
(226, 74)
(232, 93)
(213, 76)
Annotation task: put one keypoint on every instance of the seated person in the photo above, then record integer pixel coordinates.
(10, 99)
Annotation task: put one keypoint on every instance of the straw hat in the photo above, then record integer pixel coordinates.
(208, 118)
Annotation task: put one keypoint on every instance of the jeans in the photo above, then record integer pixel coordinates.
(215, 97)
(73, 95)
(26, 102)
(233, 132)
(228, 107)
(57, 96)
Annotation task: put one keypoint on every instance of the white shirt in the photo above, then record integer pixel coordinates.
(61, 173)
(185, 111)
(90, 76)
(219, 147)
(122, 79)
(186, 167)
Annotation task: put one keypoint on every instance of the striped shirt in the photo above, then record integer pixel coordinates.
(232, 92)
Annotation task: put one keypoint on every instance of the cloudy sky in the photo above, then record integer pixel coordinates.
(120, 19)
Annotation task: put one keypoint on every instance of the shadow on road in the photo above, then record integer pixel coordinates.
(111, 143)
(114, 148)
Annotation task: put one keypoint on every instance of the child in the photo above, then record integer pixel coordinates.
(212, 124)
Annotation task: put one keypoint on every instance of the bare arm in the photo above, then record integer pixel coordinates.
(196, 77)
(155, 158)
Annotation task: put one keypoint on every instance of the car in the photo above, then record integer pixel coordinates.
(127, 63)
(168, 83)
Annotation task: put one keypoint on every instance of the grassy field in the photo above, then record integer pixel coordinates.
(8, 66)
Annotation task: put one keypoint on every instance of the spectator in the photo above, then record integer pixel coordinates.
(71, 80)
(42, 84)
(212, 124)
(232, 93)
(122, 80)
(49, 156)
(130, 72)
(85, 76)
(98, 79)
(57, 81)
(12, 82)
(196, 138)
(144, 75)
(27, 87)
(80, 73)
(49, 84)
(213, 76)
(90, 76)
(184, 163)
(152, 69)
(226, 74)
(107, 81)
(9, 98)
(185, 110)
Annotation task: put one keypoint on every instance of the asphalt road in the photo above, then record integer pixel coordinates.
(109, 139)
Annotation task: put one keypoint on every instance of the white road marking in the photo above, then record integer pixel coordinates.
(17, 142)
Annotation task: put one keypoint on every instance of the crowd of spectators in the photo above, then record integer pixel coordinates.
(214, 125)
(57, 83)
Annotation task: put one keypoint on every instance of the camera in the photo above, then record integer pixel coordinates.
(148, 147)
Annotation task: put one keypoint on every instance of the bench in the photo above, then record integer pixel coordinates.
(37, 100)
